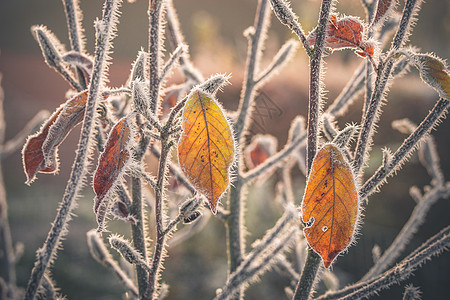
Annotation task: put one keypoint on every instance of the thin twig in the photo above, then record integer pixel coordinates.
(172, 224)
(256, 40)
(176, 39)
(17, 141)
(434, 246)
(100, 253)
(244, 275)
(404, 150)
(288, 18)
(411, 226)
(170, 64)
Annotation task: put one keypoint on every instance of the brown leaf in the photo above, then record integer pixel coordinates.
(120, 211)
(206, 147)
(347, 32)
(111, 167)
(260, 149)
(330, 204)
(383, 7)
(40, 152)
(170, 98)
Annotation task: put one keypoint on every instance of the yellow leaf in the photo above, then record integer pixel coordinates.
(330, 204)
(206, 146)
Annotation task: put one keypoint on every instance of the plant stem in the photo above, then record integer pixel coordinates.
(159, 213)
(79, 168)
(256, 40)
(7, 264)
(235, 242)
(313, 260)
(138, 229)
(154, 48)
(314, 84)
(308, 276)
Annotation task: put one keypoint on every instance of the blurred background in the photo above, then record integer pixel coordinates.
(213, 30)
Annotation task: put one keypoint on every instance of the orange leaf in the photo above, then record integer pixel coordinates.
(206, 147)
(40, 152)
(347, 32)
(330, 204)
(111, 167)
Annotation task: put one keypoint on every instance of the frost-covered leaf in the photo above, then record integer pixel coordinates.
(434, 72)
(120, 211)
(347, 32)
(206, 146)
(383, 9)
(330, 204)
(112, 164)
(40, 152)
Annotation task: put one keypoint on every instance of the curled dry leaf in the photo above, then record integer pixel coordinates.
(260, 149)
(383, 9)
(170, 99)
(206, 146)
(435, 73)
(112, 164)
(330, 204)
(347, 32)
(120, 211)
(40, 152)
